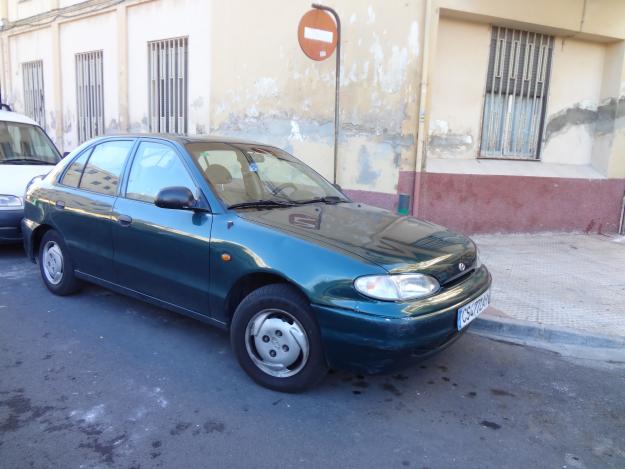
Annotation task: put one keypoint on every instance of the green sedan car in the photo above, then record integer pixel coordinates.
(248, 238)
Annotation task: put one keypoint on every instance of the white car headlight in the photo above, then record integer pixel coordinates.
(10, 202)
(396, 287)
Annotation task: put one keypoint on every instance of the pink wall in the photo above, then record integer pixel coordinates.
(473, 203)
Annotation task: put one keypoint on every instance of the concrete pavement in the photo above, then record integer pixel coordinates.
(564, 289)
(98, 380)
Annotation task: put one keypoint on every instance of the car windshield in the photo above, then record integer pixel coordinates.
(25, 144)
(255, 175)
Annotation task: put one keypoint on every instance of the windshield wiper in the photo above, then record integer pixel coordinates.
(262, 203)
(27, 160)
(330, 200)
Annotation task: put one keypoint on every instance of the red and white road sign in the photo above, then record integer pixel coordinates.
(317, 34)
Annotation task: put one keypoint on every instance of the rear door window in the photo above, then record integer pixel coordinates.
(105, 166)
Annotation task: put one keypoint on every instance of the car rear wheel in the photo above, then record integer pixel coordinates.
(276, 339)
(57, 269)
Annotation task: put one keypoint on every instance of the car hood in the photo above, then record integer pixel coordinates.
(399, 244)
(15, 177)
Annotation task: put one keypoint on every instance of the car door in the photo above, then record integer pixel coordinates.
(159, 252)
(83, 203)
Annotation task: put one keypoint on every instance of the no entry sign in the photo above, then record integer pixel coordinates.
(317, 34)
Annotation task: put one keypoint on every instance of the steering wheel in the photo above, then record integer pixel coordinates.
(286, 185)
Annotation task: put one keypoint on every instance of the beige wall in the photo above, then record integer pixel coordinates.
(26, 47)
(264, 87)
(586, 75)
(149, 21)
(90, 34)
(248, 77)
(574, 94)
(458, 83)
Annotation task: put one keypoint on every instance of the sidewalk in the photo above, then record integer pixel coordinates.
(558, 287)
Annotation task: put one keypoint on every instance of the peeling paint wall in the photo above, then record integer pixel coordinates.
(151, 21)
(248, 77)
(577, 114)
(274, 93)
(34, 45)
(90, 34)
(574, 97)
(458, 82)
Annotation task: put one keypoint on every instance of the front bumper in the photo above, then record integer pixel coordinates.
(387, 334)
(10, 225)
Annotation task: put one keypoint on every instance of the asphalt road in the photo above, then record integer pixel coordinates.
(100, 380)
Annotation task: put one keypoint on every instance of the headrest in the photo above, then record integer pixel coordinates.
(218, 174)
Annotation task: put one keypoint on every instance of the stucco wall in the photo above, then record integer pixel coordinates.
(406, 66)
(574, 96)
(26, 47)
(90, 34)
(265, 88)
(457, 100)
(163, 20)
(458, 83)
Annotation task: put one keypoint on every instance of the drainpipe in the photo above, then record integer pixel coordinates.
(621, 225)
(420, 156)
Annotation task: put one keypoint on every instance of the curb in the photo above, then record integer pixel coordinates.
(503, 327)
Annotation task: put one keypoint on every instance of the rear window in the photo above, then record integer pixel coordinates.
(25, 144)
(105, 166)
(74, 172)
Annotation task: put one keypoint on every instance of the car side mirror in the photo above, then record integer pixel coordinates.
(177, 198)
(65, 154)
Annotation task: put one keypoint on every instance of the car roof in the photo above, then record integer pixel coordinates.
(185, 139)
(10, 116)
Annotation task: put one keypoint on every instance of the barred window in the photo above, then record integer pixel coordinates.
(516, 93)
(89, 95)
(167, 68)
(34, 102)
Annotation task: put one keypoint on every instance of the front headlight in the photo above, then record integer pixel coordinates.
(10, 202)
(396, 287)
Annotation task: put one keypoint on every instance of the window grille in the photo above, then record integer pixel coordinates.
(89, 95)
(167, 70)
(516, 93)
(34, 102)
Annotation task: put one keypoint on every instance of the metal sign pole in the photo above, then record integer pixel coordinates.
(338, 81)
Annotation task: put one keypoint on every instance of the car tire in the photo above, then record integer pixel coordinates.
(269, 328)
(55, 264)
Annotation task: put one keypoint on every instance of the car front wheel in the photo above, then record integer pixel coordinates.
(276, 339)
(57, 269)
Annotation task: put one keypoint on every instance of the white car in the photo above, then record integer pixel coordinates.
(25, 152)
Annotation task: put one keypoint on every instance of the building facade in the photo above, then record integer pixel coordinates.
(486, 115)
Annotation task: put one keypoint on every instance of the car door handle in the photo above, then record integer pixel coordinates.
(60, 204)
(124, 220)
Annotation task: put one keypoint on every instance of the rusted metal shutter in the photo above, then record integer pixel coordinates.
(34, 102)
(516, 93)
(167, 71)
(89, 95)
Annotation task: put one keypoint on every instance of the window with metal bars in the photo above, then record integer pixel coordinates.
(167, 69)
(516, 93)
(89, 95)
(34, 102)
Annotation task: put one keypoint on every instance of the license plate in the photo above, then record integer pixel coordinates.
(470, 311)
